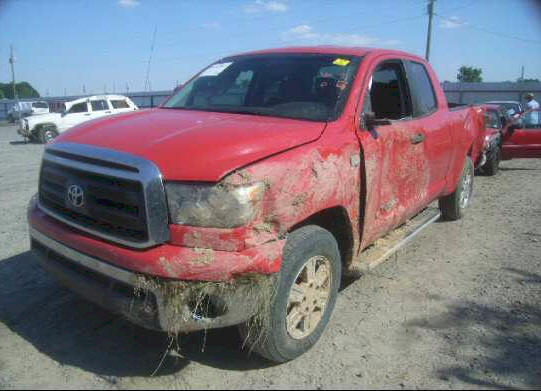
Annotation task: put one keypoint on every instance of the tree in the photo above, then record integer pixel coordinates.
(521, 80)
(24, 90)
(2, 95)
(469, 74)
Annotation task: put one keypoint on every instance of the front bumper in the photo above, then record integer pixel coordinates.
(138, 283)
(23, 129)
(126, 293)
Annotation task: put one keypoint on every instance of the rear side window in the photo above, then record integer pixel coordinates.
(119, 104)
(422, 91)
(99, 105)
(79, 108)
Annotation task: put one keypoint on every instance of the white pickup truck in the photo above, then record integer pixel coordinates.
(46, 127)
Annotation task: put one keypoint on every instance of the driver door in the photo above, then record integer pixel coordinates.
(77, 114)
(396, 179)
(523, 142)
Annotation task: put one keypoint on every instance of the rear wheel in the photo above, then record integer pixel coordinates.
(305, 296)
(47, 133)
(452, 206)
(493, 162)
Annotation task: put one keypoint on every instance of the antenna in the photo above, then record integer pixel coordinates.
(147, 84)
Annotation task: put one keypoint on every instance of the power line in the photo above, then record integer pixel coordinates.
(484, 30)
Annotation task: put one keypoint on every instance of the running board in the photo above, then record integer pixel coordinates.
(386, 246)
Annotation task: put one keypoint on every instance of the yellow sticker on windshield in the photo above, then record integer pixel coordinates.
(341, 62)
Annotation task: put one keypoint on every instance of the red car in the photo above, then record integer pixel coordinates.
(246, 195)
(522, 140)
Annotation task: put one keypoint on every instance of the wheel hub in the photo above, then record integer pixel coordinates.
(308, 297)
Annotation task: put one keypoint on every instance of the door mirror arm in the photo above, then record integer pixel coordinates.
(370, 122)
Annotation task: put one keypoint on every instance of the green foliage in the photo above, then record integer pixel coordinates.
(521, 80)
(469, 74)
(24, 90)
(2, 96)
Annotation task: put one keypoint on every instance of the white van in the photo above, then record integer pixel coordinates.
(24, 109)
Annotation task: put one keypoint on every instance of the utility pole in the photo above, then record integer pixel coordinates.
(522, 74)
(429, 33)
(12, 62)
(147, 83)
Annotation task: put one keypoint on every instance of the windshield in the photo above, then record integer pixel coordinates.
(307, 86)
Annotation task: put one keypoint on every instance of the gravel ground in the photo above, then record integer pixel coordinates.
(458, 308)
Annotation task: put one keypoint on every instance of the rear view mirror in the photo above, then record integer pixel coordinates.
(371, 122)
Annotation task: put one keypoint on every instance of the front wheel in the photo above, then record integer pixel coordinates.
(305, 296)
(47, 134)
(452, 206)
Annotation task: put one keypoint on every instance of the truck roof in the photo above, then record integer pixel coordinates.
(329, 49)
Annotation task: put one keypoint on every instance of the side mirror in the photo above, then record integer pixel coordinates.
(370, 121)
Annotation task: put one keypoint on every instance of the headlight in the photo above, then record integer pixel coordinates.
(216, 206)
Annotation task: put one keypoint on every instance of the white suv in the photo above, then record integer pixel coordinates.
(45, 127)
(24, 109)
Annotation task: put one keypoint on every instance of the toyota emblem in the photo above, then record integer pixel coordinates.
(76, 196)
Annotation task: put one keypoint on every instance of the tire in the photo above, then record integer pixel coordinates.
(279, 341)
(452, 206)
(492, 164)
(47, 133)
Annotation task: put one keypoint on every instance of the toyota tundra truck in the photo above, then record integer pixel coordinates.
(252, 190)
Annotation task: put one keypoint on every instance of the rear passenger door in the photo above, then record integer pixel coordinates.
(120, 106)
(432, 135)
(100, 108)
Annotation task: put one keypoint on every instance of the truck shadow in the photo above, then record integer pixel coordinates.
(495, 346)
(75, 332)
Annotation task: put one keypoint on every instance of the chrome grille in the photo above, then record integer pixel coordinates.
(124, 198)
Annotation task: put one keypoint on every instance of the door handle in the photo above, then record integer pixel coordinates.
(108, 112)
(87, 114)
(418, 138)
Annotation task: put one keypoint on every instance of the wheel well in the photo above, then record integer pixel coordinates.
(336, 221)
(38, 127)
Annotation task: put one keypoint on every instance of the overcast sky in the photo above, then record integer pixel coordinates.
(104, 44)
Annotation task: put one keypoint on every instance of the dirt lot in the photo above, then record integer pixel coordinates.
(459, 308)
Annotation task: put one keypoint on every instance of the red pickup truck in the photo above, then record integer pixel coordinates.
(247, 195)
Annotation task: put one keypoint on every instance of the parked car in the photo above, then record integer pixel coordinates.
(513, 109)
(46, 127)
(497, 120)
(246, 195)
(522, 140)
(23, 109)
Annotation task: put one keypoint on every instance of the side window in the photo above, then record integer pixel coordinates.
(99, 105)
(493, 120)
(119, 104)
(79, 108)
(422, 91)
(389, 97)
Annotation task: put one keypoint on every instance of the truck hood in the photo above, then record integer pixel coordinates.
(44, 117)
(195, 145)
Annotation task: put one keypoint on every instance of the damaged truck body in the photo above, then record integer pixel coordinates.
(249, 193)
